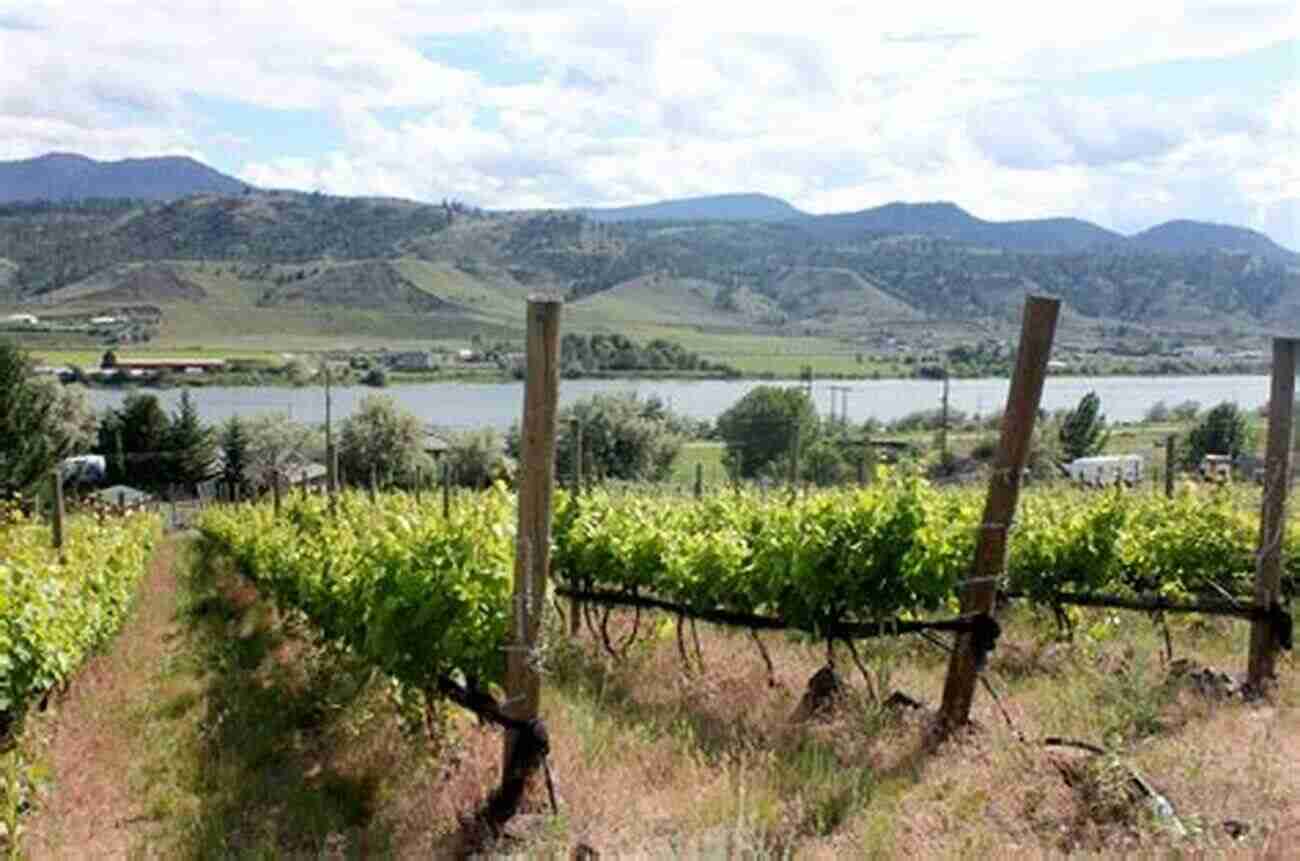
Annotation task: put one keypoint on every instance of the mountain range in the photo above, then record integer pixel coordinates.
(178, 235)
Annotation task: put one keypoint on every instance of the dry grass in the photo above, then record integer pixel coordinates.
(248, 739)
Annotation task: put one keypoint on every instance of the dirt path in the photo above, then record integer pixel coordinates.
(85, 806)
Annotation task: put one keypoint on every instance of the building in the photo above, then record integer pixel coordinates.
(20, 320)
(1106, 469)
(179, 366)
(413, 360)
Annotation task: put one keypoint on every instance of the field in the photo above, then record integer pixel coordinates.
(230, 723)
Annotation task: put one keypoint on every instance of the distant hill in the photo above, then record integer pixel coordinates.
(64, 177)
(1181, 237)
(719, 207)
(949, 221)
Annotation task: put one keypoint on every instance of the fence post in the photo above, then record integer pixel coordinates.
(1169, 467)
(1037, 331)
(575, 606)
(446, 490)
(1272, 519)
(374, 481)
(699, 481)
(275, 492)
(533, 542)
(419, 480)
(56, 480)
(794, 461)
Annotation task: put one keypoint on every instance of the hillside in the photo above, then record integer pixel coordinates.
(718, 207)
(65, 177)
(308, 268)
(1181, 237)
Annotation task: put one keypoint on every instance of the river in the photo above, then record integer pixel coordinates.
(467, 405)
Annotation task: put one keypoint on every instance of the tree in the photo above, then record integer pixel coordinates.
(384, 438)
(109, 360)
(476, 458)
(139, 430)
(34, 432)
(1083, 429)
(761, 427)
(233, 443)
(191, 444)
(625, 437)
(1222, 431)
(277, 445)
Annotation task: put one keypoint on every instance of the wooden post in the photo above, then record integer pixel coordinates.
(862, 470)
(533, 542)
(1169, 467)
(1037, 331)
(699, 481)
(275, 492)
(575, 606)
(1272, 521)
(794, 460)
(446, 490)
(577, 456)
(56, 481)
(374, 483)
(419, 480)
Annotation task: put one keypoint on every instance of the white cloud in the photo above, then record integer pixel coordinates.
(833, 105)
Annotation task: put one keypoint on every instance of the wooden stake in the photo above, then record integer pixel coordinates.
(575, 606)
(1169, 467)
(374, 482)
(699, 481)
(446, 490)
(56, 481)
(1261, 670)
(533, 543)
(1037, 331)
(275, 492)
(794, 460)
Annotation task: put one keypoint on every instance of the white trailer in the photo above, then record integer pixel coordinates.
(1107, 469)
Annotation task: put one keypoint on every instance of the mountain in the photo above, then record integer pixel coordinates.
(64, 177)
(949, 221)
(719, 207)
(1180, 237)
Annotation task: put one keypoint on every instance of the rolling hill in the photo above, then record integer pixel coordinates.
(65, 176)
(719, 207)
(281, 265)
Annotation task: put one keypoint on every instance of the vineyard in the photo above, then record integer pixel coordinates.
(54, 613)
(423, 597)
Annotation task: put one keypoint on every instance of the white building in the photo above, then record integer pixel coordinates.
(1107, 469)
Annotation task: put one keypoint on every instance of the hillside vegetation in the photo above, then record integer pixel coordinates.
(316, 265)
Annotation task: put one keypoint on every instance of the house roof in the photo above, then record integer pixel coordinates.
(122, 493)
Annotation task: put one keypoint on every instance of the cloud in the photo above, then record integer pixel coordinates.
(833, 105)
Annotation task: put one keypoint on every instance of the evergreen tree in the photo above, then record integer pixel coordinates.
(139, 433)
(1083, 431)
(191, 445)
(1222, 431)
(234, 452)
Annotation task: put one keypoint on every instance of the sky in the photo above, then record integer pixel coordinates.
(1123, 113)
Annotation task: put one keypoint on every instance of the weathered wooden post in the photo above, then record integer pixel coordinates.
(374, 483)
(1169, 467)
(275, 492)
(419, 480)
(56, 518)
(533, 542)
(794, 460)
(446, 490)
(1037, 331)
(699, 481)
(1261, 670)
(575, 606)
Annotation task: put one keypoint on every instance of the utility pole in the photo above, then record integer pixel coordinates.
(844, 403)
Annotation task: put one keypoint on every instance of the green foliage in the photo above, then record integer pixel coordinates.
(53, 615)
(1083, 430)
(191, 444)
(762, 427)
(140, 430)
(414, 593)
(625, 437)
(233, 443)
(383, 439)
(1223, 430)
(477, 458)
(581, 355)
(376, 377)
(40, 423)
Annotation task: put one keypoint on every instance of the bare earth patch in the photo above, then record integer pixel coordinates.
(86, 809)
